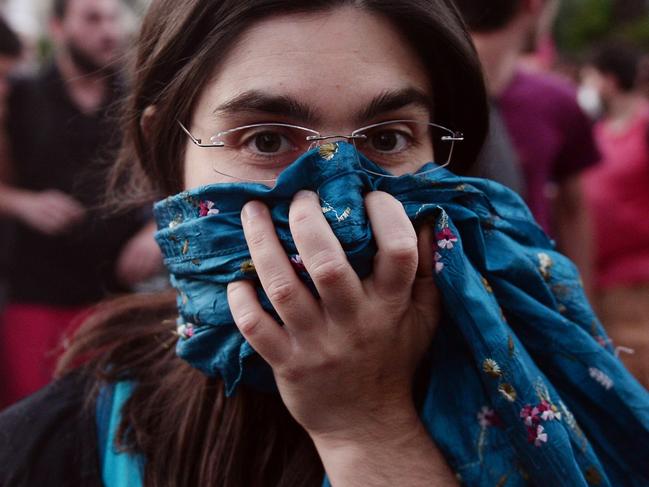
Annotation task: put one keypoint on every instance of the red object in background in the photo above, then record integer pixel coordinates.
(30, 338)
(618, 198)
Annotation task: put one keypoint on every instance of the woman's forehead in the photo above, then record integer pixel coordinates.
(335, 62)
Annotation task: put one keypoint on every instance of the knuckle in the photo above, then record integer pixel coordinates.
(249, 323)
(403, 251)
(293, 373)
(299, 216)
(328, 269)
(280, 291)
(256, 238)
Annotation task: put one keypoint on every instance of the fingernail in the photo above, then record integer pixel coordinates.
(252, 209)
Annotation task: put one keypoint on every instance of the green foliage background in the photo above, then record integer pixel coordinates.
(583, 23)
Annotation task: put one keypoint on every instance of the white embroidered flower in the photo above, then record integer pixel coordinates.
(604, 380)
(491, 367)
(541, 436)
(445, 244)
(186, 330)
(550, 415)
(508, 392)
(486, 417)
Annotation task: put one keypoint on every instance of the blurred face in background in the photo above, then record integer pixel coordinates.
(92, 32)
(596, 90)
(543, 15)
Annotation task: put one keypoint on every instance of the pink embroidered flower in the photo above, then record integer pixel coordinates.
(540, 436)
(530, 415)
(445, 239)
(186, 330)
(548, 411)
(488, 417)
(206, 208)
(439, 265)
(297, 263)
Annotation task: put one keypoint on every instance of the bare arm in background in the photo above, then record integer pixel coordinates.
(574, 229)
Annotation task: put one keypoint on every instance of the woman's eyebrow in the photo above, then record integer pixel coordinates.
(393, 100)
(258, 101)
(282, 105)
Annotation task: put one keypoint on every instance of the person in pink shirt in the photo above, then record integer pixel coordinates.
(551, 135)
(617, 195)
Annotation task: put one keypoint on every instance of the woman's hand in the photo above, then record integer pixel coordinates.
(343, 364)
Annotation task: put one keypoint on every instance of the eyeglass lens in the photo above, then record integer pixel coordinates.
(261, 152)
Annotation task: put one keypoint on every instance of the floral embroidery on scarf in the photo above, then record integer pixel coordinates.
(445, 239)
(206, 208)
(545, 264)
(328, 151)
(488, 417)
(340, 217)
(248, 267)
(508, 392)
(296, 262)
(537, 435)
(486, 285)
(532, 417)
(604, 380)
(491, 368)
(345, 214)
(175, 222)
(186, 330)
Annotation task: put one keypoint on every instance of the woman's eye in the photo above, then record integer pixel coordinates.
(388, 141)
(269, 143)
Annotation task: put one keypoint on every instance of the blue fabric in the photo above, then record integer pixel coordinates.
(118, 468)
(522, 382)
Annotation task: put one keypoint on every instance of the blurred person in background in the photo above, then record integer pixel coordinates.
(68, 254)
(10, 54)
(550, 133)
(617, 193)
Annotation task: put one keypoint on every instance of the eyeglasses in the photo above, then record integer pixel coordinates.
(260, 152)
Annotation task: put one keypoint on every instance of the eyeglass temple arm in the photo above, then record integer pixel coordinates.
(456, 137)
(196, 141)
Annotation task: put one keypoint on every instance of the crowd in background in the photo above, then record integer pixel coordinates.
(576, 149)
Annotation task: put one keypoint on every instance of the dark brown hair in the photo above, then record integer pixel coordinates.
(488, 16)
(188, 431)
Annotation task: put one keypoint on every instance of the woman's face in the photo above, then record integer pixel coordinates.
(332, 72)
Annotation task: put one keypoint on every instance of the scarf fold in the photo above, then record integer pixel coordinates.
(523, 385)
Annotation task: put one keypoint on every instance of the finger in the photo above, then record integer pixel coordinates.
(426, 252)
(291, 299)
(51, 222)
(425, 295)
(263, 333)
(396, 261)
(63, 211)
(324, 259)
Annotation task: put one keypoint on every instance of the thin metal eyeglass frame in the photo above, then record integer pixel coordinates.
(318, 137)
